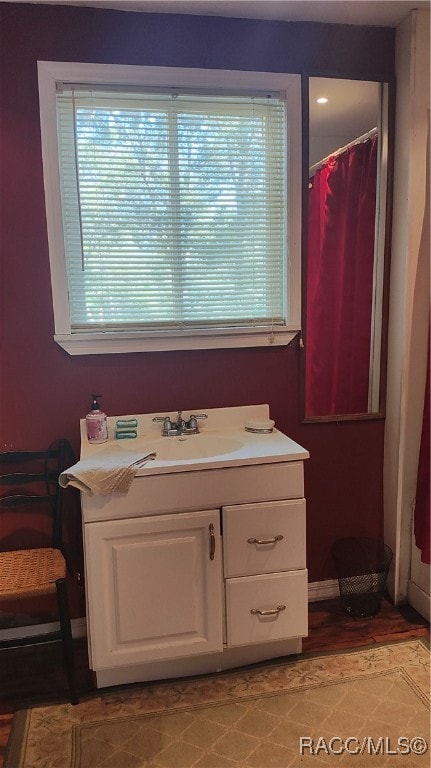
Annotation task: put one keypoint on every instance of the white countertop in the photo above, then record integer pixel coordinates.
(224, 427)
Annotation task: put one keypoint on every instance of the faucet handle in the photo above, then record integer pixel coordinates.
(192, 423)
(167, 423)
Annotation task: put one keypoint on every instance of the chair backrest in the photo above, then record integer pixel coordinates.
(30, 478)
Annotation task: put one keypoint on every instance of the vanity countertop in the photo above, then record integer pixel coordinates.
(223, 441)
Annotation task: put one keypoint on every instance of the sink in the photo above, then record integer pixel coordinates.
(182, 448)
(223, 442)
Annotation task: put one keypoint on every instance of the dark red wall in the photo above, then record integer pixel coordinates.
(44, 391)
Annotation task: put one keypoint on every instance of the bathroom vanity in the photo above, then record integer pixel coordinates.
(200, 566)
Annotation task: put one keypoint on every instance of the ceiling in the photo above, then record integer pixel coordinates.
(367, 12)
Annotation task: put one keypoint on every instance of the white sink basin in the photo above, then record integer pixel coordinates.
(182, 448)
(223, 442)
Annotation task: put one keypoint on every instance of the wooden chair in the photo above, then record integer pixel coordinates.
(33, 572)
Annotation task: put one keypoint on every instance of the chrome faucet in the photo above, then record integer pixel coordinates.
(180, 426)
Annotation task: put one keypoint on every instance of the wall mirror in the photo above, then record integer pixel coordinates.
(345, 223)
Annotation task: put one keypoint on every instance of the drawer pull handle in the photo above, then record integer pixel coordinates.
(212, 541)
(279, 537)
(272, 612)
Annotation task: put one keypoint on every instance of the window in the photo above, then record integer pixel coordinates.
(169, 206)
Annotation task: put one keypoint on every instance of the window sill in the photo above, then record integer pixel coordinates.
(122, 342)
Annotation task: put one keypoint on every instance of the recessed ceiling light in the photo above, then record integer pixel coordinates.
(322, 100)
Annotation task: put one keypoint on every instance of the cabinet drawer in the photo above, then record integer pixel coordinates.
(285, 594)
(264, 538)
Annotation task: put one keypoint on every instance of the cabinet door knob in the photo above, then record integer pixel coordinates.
(271, 612)
(279, 537)
(212, 541)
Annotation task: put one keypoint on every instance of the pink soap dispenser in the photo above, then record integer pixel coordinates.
(97, 423)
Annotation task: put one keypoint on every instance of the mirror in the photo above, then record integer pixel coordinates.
(345, 244)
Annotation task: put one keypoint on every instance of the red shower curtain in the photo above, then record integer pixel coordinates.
(341, 222)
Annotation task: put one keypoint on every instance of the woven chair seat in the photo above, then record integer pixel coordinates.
(29, 572)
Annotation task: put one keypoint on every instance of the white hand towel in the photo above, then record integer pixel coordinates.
(105, 472)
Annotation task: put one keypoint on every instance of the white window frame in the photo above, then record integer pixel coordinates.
(49, 74)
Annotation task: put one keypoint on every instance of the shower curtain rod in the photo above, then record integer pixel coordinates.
(359, 140)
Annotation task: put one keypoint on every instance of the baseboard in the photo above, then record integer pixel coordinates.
(419, 600)
(323, 590)
(79, 629)
(317, 590)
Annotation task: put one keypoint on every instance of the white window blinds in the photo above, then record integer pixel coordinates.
(174, 209)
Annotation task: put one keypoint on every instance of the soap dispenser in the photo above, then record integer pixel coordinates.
(97, 423)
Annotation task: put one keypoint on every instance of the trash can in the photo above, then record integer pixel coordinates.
(362, 566)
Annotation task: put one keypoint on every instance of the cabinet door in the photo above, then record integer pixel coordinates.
(154, 588)
(264, 538)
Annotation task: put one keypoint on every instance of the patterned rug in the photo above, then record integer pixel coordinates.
(367, 707)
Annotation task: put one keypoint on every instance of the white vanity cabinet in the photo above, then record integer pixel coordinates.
(191, 592)
(200, 566)
(154, 587)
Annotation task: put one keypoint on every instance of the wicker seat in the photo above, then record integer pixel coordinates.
(35, 572)
(30, 572)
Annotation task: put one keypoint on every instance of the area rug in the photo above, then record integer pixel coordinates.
(367, 707)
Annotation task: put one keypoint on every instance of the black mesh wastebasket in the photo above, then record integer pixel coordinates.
(362, 568)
